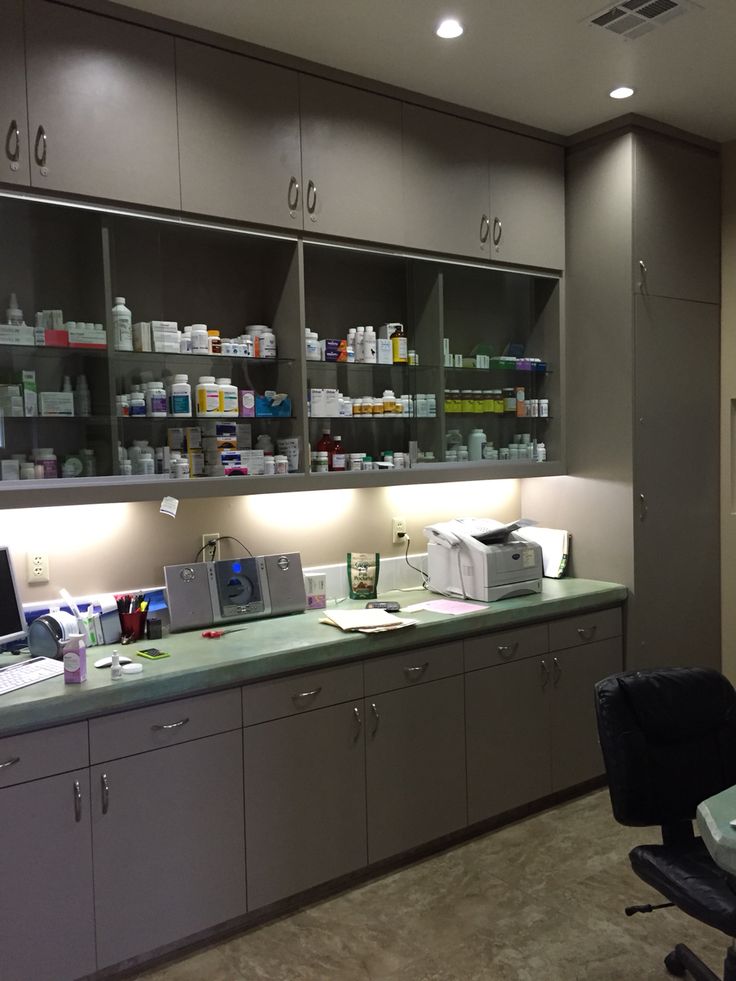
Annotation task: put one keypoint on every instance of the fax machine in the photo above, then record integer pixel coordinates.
(482, 559)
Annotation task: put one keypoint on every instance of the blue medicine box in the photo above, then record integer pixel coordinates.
(268, 406)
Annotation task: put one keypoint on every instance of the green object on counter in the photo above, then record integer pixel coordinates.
(714, 817)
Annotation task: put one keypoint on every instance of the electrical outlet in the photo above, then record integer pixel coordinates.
(208, 554)
(398, 530)
(38, 567)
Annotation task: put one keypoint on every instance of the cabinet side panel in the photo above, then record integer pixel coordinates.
(728, 393)
(13, 115)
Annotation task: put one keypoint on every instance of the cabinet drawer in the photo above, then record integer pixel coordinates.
(32, 755)
(301, 693)
(127, 733)
(510, 645)
(412, 667)
(584, 629)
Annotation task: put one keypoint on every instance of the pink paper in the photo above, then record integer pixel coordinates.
(453, 607)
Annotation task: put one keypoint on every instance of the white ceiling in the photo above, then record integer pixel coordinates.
(536, 61)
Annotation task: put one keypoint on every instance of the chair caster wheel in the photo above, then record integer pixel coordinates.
(674, 965)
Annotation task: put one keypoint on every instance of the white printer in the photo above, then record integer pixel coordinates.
(482, 559)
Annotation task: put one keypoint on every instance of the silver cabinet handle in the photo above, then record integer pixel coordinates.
(497, 230)
(11, 762)
(292, 197)
(556, 671)
(507, 651)
(545, 674)
(587, 633)
(77, 802)
(485, 228)
(643, 270)
(41, 141)
(643, 508)
(170, 725)
(358, 723)
(377, 718)
(299, 698)
(416, 671)
(13, 135)
(311, 197)
(105, 793)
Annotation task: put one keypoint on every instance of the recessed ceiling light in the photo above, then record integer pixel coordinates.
(622, 92)
(449, 28)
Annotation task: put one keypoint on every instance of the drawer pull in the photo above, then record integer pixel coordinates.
(311, 197)
(303, 697)
(358, 723)
(485, 228)
(416, 671)
(293, 194)
(545, 674)
(587, 633)
(170, 725)
(497, 231)
(377, 718)
(105, 793)
(507, 651)
(556, 671)
(40, 147)
(12, 142)
(77, 802)
(11, 762)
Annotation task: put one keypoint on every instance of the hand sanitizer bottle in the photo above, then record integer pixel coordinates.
(75, 660)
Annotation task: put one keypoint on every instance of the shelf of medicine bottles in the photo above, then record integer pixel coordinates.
(178, 357)
(496, 415)
(523, 372)
(54, 352)
(90, 420)
(196, 420)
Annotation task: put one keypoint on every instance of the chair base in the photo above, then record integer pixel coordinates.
(682, 962)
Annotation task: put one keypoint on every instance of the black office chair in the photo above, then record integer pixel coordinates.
(668, 737)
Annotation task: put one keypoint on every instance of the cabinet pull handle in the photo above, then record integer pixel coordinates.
(643, 508)
(416, 671)
(11, 762)
(545, 674)
(305, 696)
(13, 133)
(358, 721)
(643, 270)
(311, 197)
(507, 651)
(497, 230)
(293, 196)
(170, 725)
(485, 228)
(77, 802)
(587, 633)
(105, 793)
(40, 141)
(376, 716)
(556, 671)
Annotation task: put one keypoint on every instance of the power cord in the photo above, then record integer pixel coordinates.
(214, 543)
(422, 573)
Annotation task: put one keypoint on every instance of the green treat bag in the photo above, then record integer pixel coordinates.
(363, 574)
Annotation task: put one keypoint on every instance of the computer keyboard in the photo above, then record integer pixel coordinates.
(16, 676)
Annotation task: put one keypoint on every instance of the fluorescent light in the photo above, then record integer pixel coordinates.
(622, 92)
(449, 28)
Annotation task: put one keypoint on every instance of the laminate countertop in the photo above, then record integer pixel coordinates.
(278, 646)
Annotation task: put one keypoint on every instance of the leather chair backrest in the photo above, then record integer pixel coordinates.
(668, 737)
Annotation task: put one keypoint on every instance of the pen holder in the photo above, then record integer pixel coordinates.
(133, 625)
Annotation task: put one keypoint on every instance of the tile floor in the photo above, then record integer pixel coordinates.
(540, 900)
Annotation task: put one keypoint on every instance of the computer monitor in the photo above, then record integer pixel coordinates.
(12, 621)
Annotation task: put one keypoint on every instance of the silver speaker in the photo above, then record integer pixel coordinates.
(188, 591)
(285, 583)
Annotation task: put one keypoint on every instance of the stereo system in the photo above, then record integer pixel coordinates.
(203, 594)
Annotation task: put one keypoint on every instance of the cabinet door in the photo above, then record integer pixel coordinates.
(576, 755)
(507, 726)
(351, 161)
(527, 200)
(677, 209)
(415, 766)
(305, 801)
(675, 610)
(238, 136)
(46, 905)
(168, 844)
(14, 167)
(446, 190)
(103, 94)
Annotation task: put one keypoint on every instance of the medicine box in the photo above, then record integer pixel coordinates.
(332, 403)
(316, 590)
(142, 336)
(335, 349)
(278, 405)
(175, 438)
(14, 334)
(247, 402)
(56, 403)
(317, 403)
(10, 469)
(30, 393)
(253, 460)
(384, 351)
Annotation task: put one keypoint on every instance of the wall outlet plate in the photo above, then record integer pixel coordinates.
(208, 555)
(37, 567)
(398, 530)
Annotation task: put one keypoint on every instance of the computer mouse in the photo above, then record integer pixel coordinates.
(105, 662)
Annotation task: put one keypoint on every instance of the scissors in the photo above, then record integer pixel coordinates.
(216, 634)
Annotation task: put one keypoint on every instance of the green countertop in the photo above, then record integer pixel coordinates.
(266, 648)
(714, 818)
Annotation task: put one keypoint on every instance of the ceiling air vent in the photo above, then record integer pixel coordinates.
(632, 18)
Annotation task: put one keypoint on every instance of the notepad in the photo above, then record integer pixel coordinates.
(365, 621)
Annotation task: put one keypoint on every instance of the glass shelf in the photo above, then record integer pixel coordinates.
(163, 357)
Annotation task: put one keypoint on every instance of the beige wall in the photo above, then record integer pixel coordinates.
(108, 547)
(728, 423)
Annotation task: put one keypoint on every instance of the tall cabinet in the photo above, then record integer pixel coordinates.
(642, 389)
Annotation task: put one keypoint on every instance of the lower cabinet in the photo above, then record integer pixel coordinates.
(47, 927)
(167, 832)
(305, 801)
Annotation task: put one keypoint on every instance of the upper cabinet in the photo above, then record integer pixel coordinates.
(446, 188)
(14, 167)
(676, 219)
(527, 200)
(101, 107)
(351, 161)
(238, 137)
